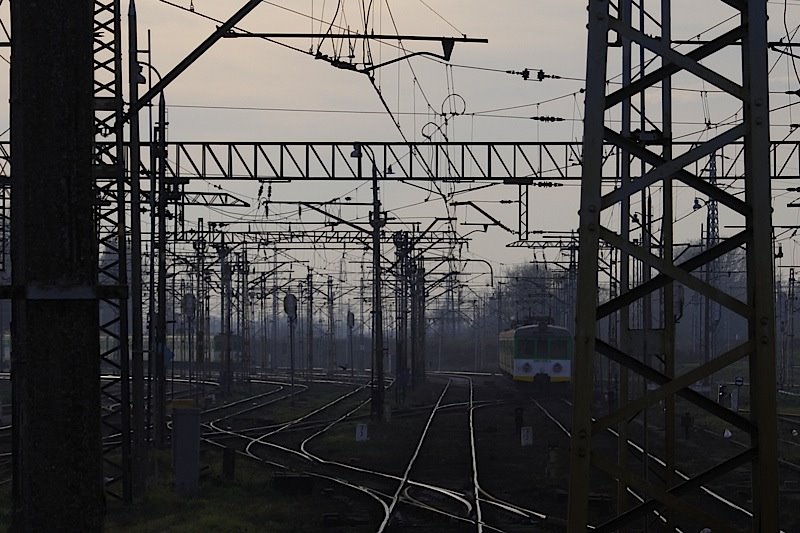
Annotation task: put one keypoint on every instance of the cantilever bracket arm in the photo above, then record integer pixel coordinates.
(415, 240)
(201, 49)
(444, 57)
(342, 221)
(447, 45)
(486, 214)
(336, 218)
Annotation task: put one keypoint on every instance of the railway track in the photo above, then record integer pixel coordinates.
(721, 504)
(404, 496)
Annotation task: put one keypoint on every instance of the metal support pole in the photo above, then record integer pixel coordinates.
(190, 310)
(2, 337)
(475, 337)
(292, 323)
(310, 326)
(402, 245)
(200, 249)
(350, 323)
(137, 327)
(161, 309)
(274, 355)
(524, 217)
(244, 300)
(361, 300)
(413, 321)
(225, 318)
(417, 322)
(788, 365)
(711, 239)
(499, 307)
(331, 330)
(667, 241)
(237, 267)
(421, 324)
(377, 304)
(760, 281)
(265, 362)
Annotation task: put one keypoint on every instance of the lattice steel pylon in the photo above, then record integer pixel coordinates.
(110, 182)
(670, 492)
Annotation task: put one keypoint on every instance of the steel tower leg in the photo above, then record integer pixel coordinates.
(655, 166)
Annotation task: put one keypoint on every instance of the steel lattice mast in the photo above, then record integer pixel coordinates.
(109, 174)
(653, 164)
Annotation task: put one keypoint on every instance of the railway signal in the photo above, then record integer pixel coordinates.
(290, 308)
(351, 322)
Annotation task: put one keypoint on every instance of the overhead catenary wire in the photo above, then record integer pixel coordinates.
(218, 21)
(574, 95)
(571, 94)
(416, 81)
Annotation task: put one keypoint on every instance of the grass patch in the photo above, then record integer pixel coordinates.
(249, 504)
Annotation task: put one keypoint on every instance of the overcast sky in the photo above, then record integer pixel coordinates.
(249, 89)
(535, 34)
(262, 77)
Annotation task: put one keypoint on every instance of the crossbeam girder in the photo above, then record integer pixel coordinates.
(509, 162)
(530, 161)
(269, 238)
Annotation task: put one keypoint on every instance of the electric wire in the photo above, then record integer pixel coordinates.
(789, 39)
(218, 21)
(424, 3)
(574, 95)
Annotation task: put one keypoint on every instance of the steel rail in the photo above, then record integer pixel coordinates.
(407, 472)
(404, 484)
(718, 497)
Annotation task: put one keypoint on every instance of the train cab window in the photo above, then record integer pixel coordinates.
(527, 347)
(558, 348)
(541, 347)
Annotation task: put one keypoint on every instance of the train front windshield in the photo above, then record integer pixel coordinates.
(544, 347)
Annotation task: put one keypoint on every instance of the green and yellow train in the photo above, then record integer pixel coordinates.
(537, 353)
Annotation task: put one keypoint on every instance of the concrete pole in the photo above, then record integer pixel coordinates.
(55, 344)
